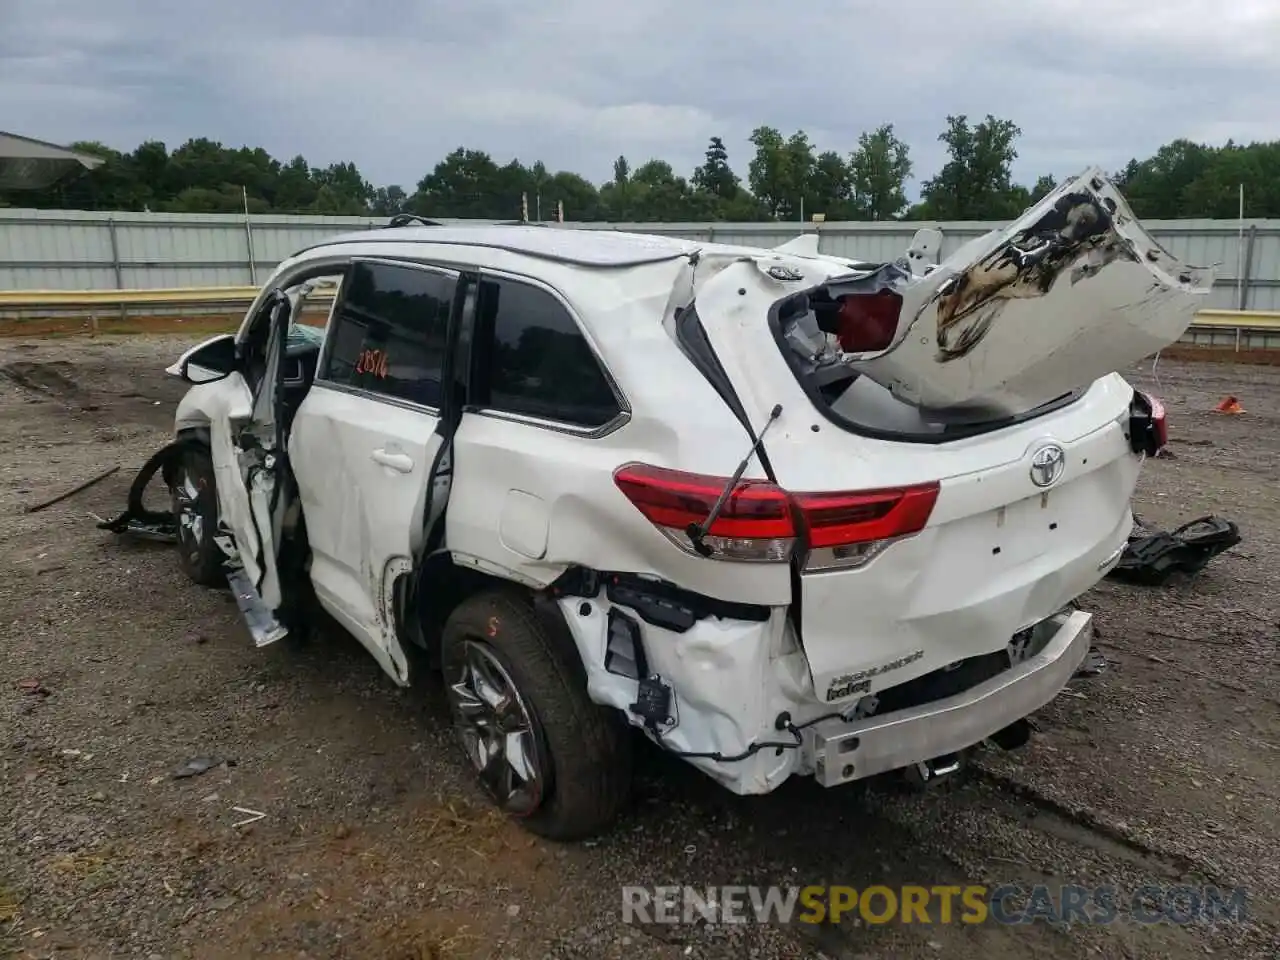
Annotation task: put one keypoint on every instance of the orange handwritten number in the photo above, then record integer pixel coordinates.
(372, 361)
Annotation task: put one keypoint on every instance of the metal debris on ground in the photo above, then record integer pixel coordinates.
(1093, 664)
(137, 519)
(1152, 556)
(196, 766)
(251, 816)
(37, 507)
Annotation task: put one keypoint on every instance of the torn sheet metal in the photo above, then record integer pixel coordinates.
(1073, 290)
(1151, 557)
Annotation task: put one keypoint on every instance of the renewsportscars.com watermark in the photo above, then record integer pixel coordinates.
(1009, 904)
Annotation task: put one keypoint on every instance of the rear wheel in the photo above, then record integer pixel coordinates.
(518, 694)
(195, 511)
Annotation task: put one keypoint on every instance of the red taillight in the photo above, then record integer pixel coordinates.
(759, 520)
(1148, 425)
(672, 498)
(868, 322)
(839, 519)
(1158, 421)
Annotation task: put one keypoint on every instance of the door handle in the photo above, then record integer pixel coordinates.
(399, 462)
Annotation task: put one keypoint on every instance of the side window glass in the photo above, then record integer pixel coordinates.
(539, 364)
(390, 331)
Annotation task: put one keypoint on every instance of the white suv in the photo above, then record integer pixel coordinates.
(787, 513)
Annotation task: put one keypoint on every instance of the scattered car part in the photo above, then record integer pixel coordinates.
(137, 519)
(43, 504)
(409, 220)
(1093, 665)
(1151, 557)
(195, 766)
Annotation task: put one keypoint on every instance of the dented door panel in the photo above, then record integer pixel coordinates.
(229, 408)
(362, 468)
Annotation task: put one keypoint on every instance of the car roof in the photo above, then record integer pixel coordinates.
(588, 248)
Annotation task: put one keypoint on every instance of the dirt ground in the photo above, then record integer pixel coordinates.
(373, 843)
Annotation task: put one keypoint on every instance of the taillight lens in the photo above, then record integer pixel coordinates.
(868, 322)
(755, 522)
(1148, 425)
(762, 522)
(1159, 421)
(848, 529)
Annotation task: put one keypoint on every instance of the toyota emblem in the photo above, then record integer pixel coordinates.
(1047, 465)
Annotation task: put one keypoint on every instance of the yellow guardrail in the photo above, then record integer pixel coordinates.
(34, 299)
(213, 296)
(1239, 319)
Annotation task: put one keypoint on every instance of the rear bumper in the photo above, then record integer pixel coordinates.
(844, 751)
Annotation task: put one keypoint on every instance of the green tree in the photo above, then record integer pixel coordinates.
(295, 190)
(879, 170)
(828, 187)
(786, 176)
(615, 195)
(461, 185)
(656, 193)
(1216, 191)
(1154, 187)
(715, 176)
(976, 182)
(1043, 186)
(388, 201)
(341, 189)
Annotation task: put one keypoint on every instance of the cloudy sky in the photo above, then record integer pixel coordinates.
(395, 84)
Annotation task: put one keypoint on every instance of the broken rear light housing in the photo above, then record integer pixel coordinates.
(1148, 424)
(868, 323)
(761, 522)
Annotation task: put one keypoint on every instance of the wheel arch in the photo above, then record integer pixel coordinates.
(439, 585)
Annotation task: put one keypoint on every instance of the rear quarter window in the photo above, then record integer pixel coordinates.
(533, 359)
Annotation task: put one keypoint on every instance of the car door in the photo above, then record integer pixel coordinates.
(244, 446)
(367, 439)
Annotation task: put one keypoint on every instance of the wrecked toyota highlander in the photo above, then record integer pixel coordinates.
(786, 513)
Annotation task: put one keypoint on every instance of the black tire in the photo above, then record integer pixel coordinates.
(585, 749)
(201, 558)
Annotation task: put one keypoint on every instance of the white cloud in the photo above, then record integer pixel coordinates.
(395, 84)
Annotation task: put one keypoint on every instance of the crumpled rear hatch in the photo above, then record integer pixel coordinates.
(1072, 290)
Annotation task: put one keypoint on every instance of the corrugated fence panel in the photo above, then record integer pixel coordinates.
(66, 249)
(1264, 278)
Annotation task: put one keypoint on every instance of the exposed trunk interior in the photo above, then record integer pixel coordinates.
(1013, 324)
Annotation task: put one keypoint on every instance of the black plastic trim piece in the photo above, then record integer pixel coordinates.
(691, 337)
(638, 656)
(409, 219)
(657, 602)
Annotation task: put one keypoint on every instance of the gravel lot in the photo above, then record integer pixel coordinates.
(375, 844)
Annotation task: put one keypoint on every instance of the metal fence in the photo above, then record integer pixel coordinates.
(75, 250)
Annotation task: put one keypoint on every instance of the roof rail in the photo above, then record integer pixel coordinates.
(406, 219)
